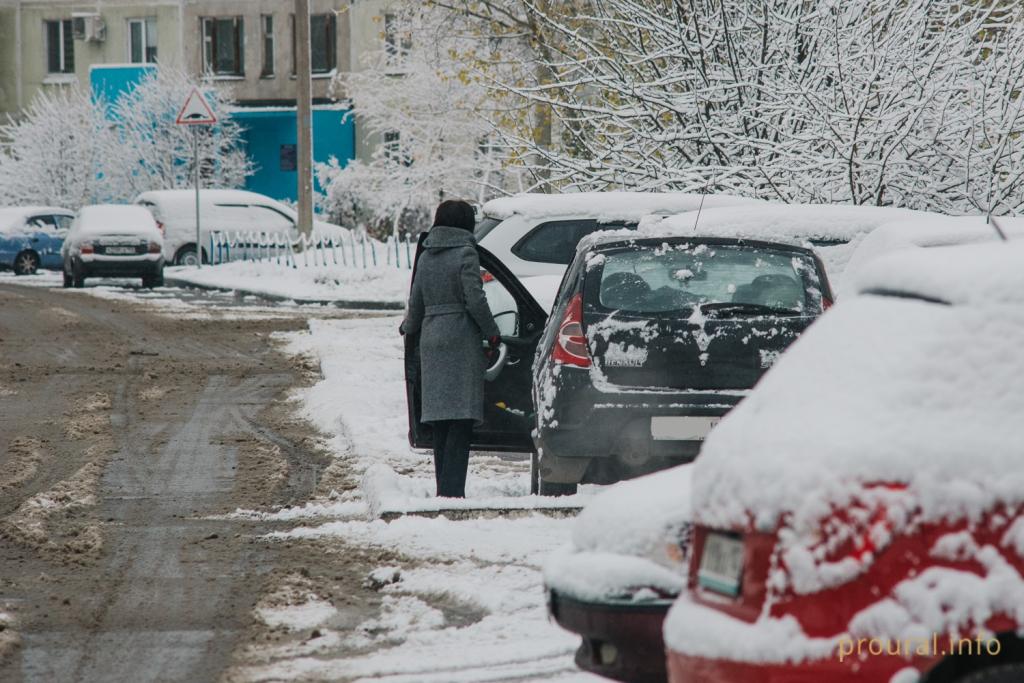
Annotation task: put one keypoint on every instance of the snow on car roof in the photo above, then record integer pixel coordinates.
(212, 195)
(630, 206)
(924, 232)
(969, 274)
(122, 219)
(775, 222)
(884, 389)
(10, 216)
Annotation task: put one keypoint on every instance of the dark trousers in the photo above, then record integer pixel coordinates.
(451, 456)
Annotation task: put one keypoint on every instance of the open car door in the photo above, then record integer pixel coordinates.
(507, 398)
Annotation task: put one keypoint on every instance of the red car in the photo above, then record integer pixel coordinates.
(860, 516)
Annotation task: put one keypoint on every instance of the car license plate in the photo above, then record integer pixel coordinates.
(721, 563)
(682, 428)
(120, 251)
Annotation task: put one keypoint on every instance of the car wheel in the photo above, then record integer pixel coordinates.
(26, 263)
(68, 281)
(547, 488)
(77, 277)
(151, 281)
(1006, 673)
(534, 473)
(186, 256)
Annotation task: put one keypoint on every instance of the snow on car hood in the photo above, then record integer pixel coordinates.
(619, 539)
(611, 206)
(880, 389)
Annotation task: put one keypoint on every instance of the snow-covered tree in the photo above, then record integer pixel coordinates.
(916, 103)
(159, 155)
(433, 114)
(56, 154)
(71, 148)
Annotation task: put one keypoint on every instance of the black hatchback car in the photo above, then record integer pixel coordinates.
(652, 340)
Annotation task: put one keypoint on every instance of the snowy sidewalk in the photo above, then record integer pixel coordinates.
(378, 287)
(458, 560)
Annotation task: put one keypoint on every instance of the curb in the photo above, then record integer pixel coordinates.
(171, 281)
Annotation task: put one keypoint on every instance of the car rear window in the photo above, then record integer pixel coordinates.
(556, 241)
(676, 277)
(484, 227)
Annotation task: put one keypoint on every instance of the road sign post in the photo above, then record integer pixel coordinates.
(196, 112)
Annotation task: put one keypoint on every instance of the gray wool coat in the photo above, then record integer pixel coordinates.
(448, 308)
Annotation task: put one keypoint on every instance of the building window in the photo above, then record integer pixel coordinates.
(142, 40)
(60, 47)
(322, 42)
(397, 40)
(223, 46)
(393, 149)
(267, 27)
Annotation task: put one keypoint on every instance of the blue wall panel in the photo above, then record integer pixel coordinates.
(267, 130)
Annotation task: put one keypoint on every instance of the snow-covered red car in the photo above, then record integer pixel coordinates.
(860, 516)
(626, 565)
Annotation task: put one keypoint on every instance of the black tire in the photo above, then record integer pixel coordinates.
(68, 281)
(151, 281)
(1001, 673)
(186, 256)
(547, 488)
(534, 473)
(26, 263)
(77, 276)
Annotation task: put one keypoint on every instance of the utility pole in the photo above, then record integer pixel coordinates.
(304, 116)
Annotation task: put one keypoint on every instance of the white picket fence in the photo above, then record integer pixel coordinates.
(352, 249)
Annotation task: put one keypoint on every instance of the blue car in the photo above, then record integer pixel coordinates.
(31, 237)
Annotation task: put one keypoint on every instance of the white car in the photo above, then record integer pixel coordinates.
(926, 233)
(537, 234)
(113, 240)
(235, 212)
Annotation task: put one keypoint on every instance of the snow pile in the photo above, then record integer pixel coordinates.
(910, 389)
(306, 615)
(449, 568)
(385, 284)
(923, 232)
(117, 219)
(621, 538)
(609, 206)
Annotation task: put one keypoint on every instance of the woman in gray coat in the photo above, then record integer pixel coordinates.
(448, 309)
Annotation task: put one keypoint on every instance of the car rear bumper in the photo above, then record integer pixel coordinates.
(621, 641)
(125, 266)
(591, 424)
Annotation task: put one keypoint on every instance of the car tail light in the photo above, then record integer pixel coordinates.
(826, 303)
(571, 344)
(155, 248)
(160, 227)
(485, 276)
(86, 248)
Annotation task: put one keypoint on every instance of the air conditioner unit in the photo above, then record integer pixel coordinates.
(90, 27)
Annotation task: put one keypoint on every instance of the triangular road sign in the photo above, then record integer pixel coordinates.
(196, 110)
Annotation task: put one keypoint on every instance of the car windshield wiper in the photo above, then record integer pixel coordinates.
(741, 308)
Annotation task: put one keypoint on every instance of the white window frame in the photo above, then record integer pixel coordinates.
(63, 26)
(148, 40)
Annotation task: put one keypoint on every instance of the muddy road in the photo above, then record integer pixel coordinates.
(123, 436)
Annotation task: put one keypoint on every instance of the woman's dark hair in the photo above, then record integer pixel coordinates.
(455, 213)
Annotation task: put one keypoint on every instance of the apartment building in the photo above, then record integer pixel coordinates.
(246, 46)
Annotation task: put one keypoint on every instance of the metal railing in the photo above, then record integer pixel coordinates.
(352, 249)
